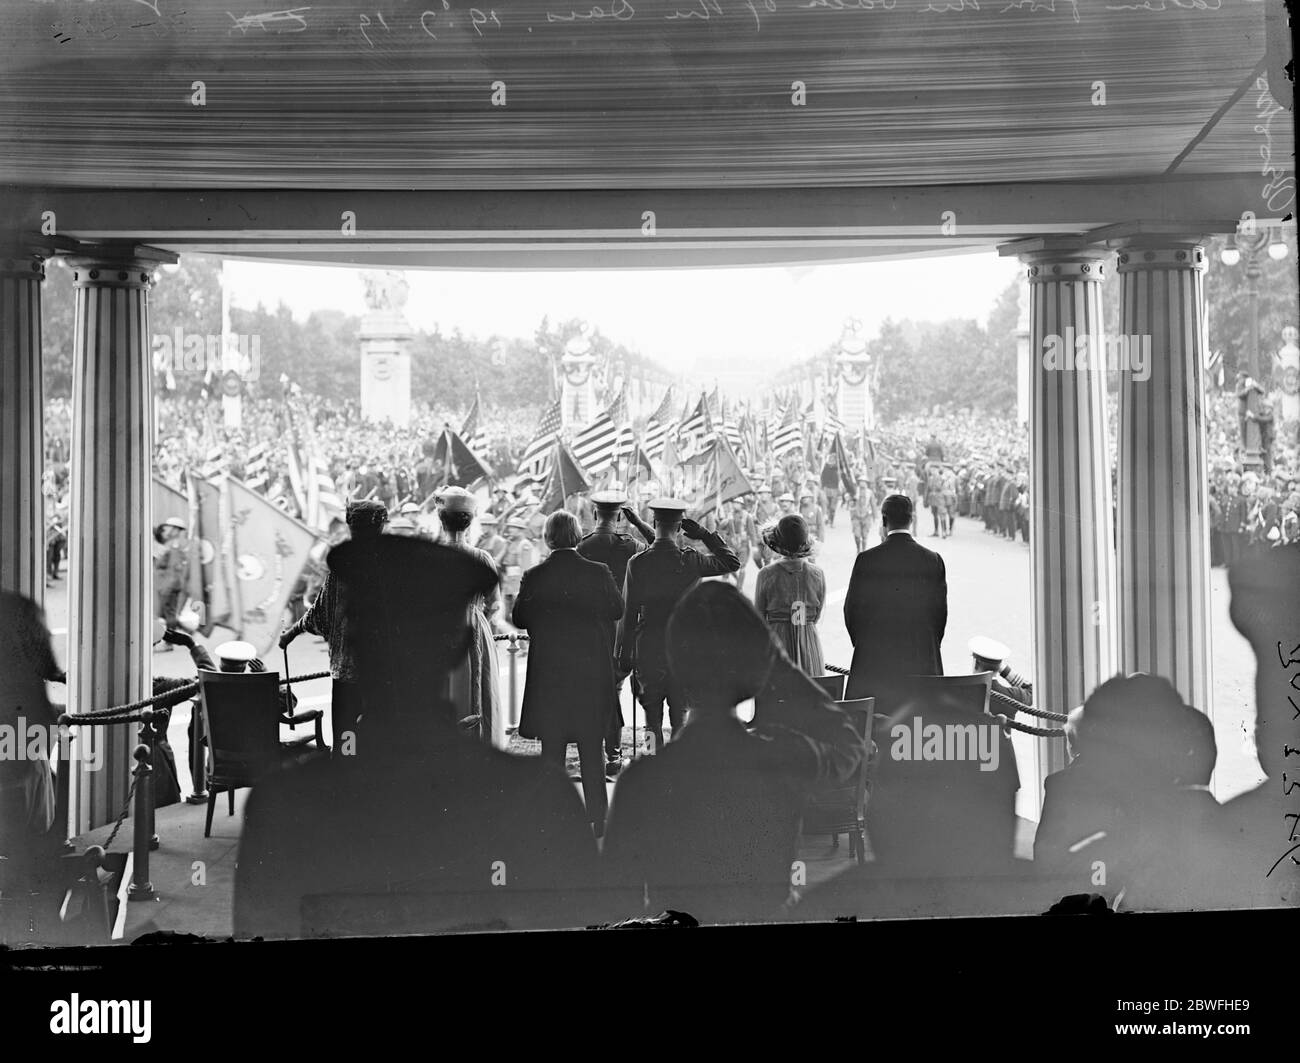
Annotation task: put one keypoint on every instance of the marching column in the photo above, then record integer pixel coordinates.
(1071, 545)
(22, 427)
(110, 585)
(1164, 529)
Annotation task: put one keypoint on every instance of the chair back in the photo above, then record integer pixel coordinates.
(968, 691)
(833, 684)
(242, 715)
(840, 808)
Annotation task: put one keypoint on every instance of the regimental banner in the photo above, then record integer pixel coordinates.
(722, 481)
(216, 555)
(269, 550)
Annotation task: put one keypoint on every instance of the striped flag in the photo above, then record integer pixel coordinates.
(595, 446)
(697, 427)
(626, 442)
(658, 427)
(473, 435)
(732, 431)
(459, 466)
(537, 455)
(214, 463)
(257, 472)
(789, 436)
(723, 479)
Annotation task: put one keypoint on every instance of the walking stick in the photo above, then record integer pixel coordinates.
(288, 687)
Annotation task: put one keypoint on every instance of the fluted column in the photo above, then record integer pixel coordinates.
(1164, 531)
(1071, 544)
(22, 427)
(110, 586)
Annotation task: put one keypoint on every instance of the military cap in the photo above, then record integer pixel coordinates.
(988, 649)
(409, 507)
(236, 651)
(517, 522)
(805, 493)
(764, 489)
(401, 525)
(175, 522)
(609, 499)
(668, 507)
(787, 497)
(488, 519)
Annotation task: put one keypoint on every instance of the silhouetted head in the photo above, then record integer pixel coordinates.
(562, 530)
(366, 517)
(407, 607)
(1137, 729)
(896, 512)
(719, 648)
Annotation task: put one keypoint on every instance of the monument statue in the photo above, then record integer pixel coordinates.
(385, 290)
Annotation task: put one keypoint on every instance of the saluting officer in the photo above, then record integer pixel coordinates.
(614, 549)
(657, 578)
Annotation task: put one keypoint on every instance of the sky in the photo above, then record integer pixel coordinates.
(753, 319)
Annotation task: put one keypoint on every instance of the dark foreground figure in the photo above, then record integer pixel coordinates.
(424, 829)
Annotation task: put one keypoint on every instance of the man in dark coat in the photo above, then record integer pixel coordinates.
(896, 607)
(656, 580)
(613, 549)
(428, 830)
(569, 605)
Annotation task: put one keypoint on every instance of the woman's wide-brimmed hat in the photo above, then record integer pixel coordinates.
(789, 536)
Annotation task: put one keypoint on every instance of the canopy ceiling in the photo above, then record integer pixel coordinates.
(992, 107)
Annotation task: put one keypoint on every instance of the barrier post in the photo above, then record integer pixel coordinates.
(141, 889)
(512, 648)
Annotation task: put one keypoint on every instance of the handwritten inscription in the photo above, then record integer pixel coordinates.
(1279, 193)
(1160, 5)
(370, 25)
(272, 21)
(620, 10)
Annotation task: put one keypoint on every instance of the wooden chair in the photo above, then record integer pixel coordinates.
(837, 810)
(970, 691)
(242, 717)
(833, 684)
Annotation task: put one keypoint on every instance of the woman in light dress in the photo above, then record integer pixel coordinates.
(790, 592)
(474, 682)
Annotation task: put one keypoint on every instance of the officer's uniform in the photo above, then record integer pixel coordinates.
(613, 549)
(657, 578)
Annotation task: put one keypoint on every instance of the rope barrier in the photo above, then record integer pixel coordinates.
(517, 637)
(122, 713)
(1042, 732)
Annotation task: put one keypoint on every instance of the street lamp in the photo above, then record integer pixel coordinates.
(1251, 246)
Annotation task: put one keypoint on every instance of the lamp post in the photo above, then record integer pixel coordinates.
(1251, 243)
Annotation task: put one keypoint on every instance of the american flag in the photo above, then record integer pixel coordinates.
(789, 436)
(537, 455)
(658, 426)
(256, 472)
(699, 423)
(732, 431)
(597, 444)
(473, 435)
(626, 442)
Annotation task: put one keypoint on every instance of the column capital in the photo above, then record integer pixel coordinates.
(15, 263)
(126, 265)
(1064, 257)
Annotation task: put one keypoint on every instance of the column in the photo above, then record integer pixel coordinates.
(110, 584)
(22, 427)
(1164, 530)
(1071, 545)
